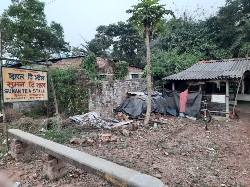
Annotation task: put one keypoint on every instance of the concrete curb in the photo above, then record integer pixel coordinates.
(110, 171)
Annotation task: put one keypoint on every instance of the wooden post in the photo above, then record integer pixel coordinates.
(173, 86)
(2, 104)
(227, 98)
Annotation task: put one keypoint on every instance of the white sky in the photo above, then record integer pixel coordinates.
(84, 16)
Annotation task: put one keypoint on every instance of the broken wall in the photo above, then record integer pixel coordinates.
(111, 94)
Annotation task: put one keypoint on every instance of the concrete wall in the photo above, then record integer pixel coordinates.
(112, 94)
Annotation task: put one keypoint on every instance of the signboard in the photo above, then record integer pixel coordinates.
(218, 99)
(24, 85)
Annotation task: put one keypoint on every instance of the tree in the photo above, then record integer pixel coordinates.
(186, 35)
(147, 14)
(126, 42)
(230, 27)
(164, 63)
(120, 41)
(26, 33)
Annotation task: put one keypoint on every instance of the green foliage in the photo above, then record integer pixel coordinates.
(71, 92)
(63, 136)
(147, 13)
(230, 27)
(89, 63)
(165, 63)
(185, 35)
(126, 42)
(120, 70)
(26, 34)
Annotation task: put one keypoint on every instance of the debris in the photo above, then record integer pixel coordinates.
(94, 120)
(121, 117)
(133, 127)
(75, 140)
(210, 149)
(114, 139)
(192, 118)
(5, 142)
(82, 140)
(157, 176)
(89, 141)
(42, 130)
(165, 153)
(125, 132)
(155, 125)
(16, 184)
(105, 138)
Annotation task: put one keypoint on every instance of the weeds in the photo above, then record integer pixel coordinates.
(63, 136)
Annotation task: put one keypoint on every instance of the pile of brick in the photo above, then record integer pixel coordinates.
(19, 150)
(53, 167)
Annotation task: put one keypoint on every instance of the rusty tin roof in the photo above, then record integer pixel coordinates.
(220, 69)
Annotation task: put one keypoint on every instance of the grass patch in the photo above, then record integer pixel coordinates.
(63, 136)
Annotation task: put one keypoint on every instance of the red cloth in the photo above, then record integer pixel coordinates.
(183, 100)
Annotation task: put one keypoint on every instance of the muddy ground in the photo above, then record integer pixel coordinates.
(179, 152)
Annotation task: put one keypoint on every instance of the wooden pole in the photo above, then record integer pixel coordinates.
(173, 86)
(227, 98)
(2, 104)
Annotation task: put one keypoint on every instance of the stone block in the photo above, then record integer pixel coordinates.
(47, 157)
(18, 151)
(52, 162)
(58, 166)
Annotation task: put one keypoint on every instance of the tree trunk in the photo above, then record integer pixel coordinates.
(149, 84)
(58, 122)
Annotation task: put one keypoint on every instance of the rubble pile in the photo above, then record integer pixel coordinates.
(92, 119)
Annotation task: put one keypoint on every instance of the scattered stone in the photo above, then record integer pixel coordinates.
(114, 139)
(82, 140)
(90, 141)
(155, 125)
(133, 127)
(34, 175)
(157, 176)
(125, 132)
(183, 154)
(75, 140)
(155, 166)
(165, 153)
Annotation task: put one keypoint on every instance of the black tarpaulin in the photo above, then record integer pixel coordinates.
(192, 106)
(134, 107)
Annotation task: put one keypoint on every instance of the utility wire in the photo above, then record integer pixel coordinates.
(50, 2)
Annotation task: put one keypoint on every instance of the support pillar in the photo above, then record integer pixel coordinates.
(173, 86)
(199, 87)
(53, 167)
(227, 98)
(19, 150)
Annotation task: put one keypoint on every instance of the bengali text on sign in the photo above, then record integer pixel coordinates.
(24, 85)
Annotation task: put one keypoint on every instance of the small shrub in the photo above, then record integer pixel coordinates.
(120, 70)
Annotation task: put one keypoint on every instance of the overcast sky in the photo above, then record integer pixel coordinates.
(83, 17)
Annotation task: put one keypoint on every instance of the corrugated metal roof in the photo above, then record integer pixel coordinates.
(224, 69)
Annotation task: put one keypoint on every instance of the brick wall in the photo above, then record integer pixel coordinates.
(112, 94)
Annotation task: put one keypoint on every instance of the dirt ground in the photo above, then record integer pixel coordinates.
(179, 152)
